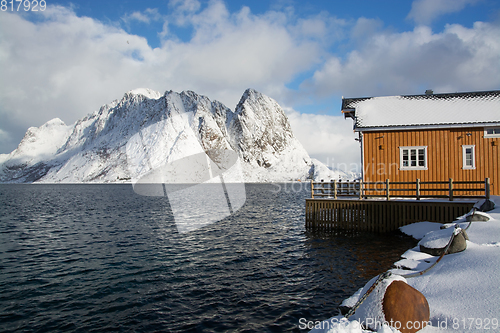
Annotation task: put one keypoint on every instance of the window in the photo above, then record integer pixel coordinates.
(492, 132)
(468, 157)
(413, 158)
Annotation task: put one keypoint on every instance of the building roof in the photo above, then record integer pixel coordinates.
(468, 109)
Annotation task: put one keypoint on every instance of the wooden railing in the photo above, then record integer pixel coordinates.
(418, 189)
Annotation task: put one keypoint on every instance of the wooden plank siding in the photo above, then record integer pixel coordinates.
(444, 156)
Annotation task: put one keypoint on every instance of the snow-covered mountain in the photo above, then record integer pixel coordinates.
(144, 130)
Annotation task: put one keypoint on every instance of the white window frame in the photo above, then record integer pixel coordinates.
(495, 135)
(409, 149)
(464, 157)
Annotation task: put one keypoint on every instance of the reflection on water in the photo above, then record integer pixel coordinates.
(199, 205)
(100, 258)
(359, 255)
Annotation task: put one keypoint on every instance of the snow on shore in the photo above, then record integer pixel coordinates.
(463, 289)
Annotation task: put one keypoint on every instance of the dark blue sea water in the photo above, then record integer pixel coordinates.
(96, 258)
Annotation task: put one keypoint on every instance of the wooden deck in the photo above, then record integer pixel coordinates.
(353, 206)
(378, 215)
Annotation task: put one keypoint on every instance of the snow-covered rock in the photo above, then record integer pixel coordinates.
(94, 149)
(462, 289)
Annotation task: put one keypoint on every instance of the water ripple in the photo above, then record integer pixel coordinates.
(79, 258)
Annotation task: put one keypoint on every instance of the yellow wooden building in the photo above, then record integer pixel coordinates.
(429, 137)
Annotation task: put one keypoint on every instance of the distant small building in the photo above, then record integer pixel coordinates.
(432, 137)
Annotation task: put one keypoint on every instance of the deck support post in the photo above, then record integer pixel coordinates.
(387, 195)
(417, 190)
(451, 189)
(360, 189)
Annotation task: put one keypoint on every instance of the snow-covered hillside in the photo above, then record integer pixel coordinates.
(144, 130)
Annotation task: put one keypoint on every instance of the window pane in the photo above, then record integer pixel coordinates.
(469, 156)
(413, 156)
(421, 157)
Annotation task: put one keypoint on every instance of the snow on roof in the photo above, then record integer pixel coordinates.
(420, 110)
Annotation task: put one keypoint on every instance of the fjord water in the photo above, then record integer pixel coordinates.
(81, 258)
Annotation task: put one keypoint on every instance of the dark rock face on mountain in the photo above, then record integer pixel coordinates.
(98, 148)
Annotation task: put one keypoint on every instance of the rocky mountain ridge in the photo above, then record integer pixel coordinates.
(172, 126)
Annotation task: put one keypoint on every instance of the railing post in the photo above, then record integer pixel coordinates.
(335, 189)
(312, 188)
(387, 189)
(322, 188)
(487, 188)
(418, 189)
(360, 189)
(451, 189)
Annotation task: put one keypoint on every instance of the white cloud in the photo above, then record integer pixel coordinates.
(147, 16)
(68, 66)
(458, 59)
(426, 11)
(330, 139)
(365, 28)
(64, 66)
(4, 136)
(183, 10)
(322, 27)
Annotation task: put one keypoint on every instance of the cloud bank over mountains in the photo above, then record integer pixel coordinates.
(59, 64)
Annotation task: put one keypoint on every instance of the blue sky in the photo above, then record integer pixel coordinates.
(74, 57)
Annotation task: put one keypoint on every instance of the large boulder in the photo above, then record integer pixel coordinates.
(392, 302)
(477, 217)
(405, 308)
(435, 242)
(485, 205)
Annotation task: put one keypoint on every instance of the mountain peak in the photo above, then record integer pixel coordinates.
(249, 94)
(54, 122)
(146, 92)
(153, 130)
